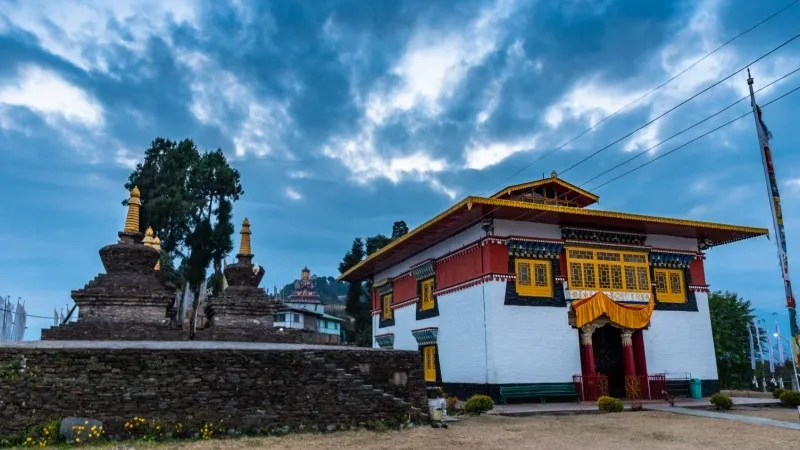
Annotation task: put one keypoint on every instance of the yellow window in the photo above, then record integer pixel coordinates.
(533, 278)
(607, 270)
(387, 306)
(426, 294)
(670, 287)
(429, 361)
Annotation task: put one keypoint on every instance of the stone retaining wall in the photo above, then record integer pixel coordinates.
(169, 332)
(248, 385)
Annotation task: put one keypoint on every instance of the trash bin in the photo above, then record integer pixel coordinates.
(696, 388)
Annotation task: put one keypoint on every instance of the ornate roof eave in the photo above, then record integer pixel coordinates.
(508, 190)
(460, 213)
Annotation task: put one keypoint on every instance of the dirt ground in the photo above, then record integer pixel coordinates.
(632, 430)
(772, 412)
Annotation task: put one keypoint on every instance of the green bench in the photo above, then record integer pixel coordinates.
(537, 390)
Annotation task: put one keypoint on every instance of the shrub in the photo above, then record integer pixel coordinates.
(452, 405)
(777, 392)
(790, 398)
(721, 401)
(478, 404)
(609, 404)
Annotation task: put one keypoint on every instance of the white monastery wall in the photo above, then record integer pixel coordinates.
(672, 243)
(680, 342)
(526, 229)
(461, 342)
(529, 344)
(462, 239)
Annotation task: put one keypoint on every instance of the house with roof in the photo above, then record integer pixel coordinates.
(533, 290)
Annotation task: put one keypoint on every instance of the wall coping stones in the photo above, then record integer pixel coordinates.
(184, 345)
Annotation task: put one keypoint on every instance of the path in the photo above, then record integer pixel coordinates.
(724, 416)
(534, 409)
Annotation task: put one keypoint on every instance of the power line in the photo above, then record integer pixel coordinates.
(681, 104)
(643, 152)
(544, 155)
(695, 139)
(682, 145)
(649, 162)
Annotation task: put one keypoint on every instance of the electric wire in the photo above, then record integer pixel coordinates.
(697, 138)
(645, 151)
(495, 208)
(648, 93)
(717, 83)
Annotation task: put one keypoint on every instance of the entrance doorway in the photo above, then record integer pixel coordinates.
(608, 359)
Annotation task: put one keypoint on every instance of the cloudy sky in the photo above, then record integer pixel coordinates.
(344, 116)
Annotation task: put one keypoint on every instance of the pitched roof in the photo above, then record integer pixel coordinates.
(471, 210)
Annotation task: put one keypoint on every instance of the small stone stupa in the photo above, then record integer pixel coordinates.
(129, 293)
(242, 308)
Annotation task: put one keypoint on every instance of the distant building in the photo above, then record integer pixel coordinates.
(303, 310)
(305, 294)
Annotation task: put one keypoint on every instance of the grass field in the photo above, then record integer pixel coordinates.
(650, 430)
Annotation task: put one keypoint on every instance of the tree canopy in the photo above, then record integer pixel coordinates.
(731, 315)
(359, 306)
(187, 198)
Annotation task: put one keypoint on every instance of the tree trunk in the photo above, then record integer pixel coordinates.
(195, 306)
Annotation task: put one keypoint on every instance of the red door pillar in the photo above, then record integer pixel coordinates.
(641, 362)
(632, 389)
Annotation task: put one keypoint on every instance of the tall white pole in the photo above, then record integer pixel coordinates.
(777, 218)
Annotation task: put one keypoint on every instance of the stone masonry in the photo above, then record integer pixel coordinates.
(131, 292)
(243, 305)
(248, 386)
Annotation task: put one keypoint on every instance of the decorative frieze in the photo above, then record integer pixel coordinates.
(534, 248)
(383, 286)
(604, 236)
(474, 282)
(423, 270)
(385, 340)
(426, 336)
(672, 259)
(623, 297)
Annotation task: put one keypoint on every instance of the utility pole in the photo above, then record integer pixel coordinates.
(777, 221)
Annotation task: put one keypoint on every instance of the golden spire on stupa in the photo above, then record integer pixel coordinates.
(132, 219)
(244, 245)
(157, 246)
(148, 237)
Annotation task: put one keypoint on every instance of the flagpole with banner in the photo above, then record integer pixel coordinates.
(777, 220)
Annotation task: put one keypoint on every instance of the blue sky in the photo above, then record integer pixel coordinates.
(344, 116)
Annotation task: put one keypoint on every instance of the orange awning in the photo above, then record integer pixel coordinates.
(628, 316)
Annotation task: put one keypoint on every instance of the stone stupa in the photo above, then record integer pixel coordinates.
(129, 301)
(243, 310)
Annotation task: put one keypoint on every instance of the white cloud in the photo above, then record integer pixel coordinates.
(430, 70)
(292, 194)
(69, 28)
(793, 185)
(215, 90)
(482, 155)
(435, 62)
(592, 99)
(365, 163)
(299, 174)
(54, 99)
(125, 158)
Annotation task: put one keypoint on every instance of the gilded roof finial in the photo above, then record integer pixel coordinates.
(244, 246)
(305, 273)
(554, 174)
(157, 246)
(148, 237)
(132, 219)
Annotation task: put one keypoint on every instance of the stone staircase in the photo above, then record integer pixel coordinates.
(387, 406)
